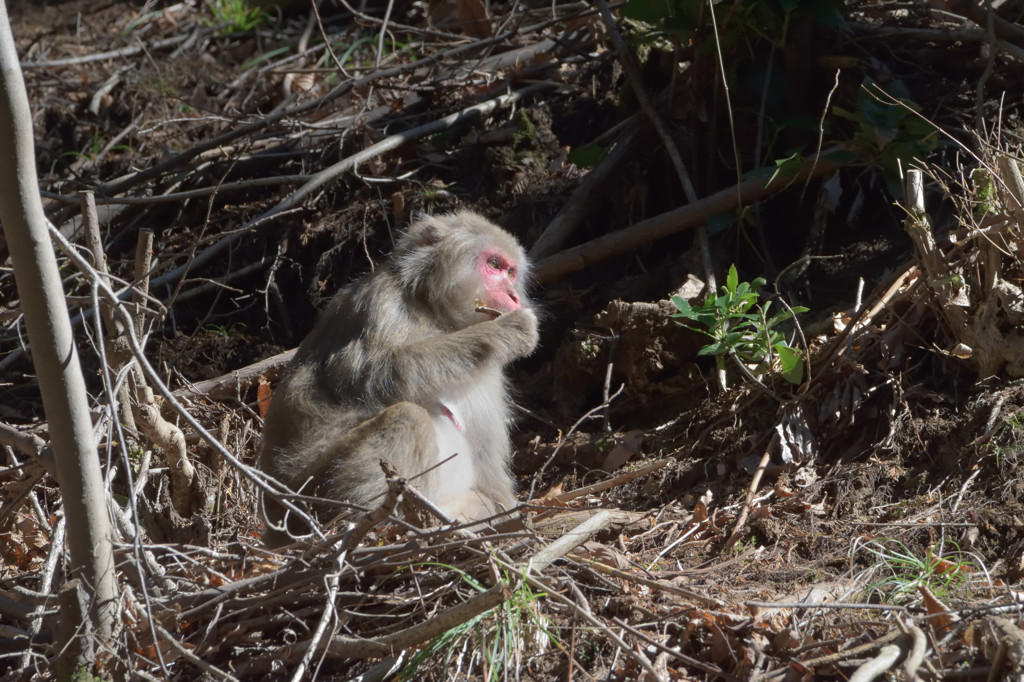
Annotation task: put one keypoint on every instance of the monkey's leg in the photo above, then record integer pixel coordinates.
(416, 442)
(349, 468)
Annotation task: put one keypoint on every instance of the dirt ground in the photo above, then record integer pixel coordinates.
(866, 518)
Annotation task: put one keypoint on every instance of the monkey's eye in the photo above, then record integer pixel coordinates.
(493, 263)
(512, 273)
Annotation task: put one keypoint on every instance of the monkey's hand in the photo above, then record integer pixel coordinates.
(415, 371)
(521, 327)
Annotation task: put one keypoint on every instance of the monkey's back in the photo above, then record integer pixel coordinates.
(317, 400)
(346, 371)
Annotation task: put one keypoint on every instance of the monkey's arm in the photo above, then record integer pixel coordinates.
(426, 365)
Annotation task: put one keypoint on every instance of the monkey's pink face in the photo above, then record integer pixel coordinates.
(499, 275)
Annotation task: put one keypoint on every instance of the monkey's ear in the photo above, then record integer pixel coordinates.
(425, 231)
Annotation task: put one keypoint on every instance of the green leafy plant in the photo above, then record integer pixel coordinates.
(496, 639)
(1007, 443)
(235, 16)
(890, 129)
(225, 330)
(740, 326)
(944, 576)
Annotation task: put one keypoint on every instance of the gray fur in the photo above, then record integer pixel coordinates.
(369, 380)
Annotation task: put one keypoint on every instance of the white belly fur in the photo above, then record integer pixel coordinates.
(456, 477)
(458, 415)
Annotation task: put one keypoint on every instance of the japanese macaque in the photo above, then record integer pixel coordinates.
(407, 364)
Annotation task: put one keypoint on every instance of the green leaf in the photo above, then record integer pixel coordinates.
(743, 305)
(788, 167)
(784, 315)
(790, 359)
(720, 223)
(684, 308)
(733, 339)
(732, 279)
(777, 318)
(710, 321)
(651, 11)
(694, 328)
(712, 349)
(586, 156)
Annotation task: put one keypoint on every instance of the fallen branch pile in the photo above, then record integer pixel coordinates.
(637, 574)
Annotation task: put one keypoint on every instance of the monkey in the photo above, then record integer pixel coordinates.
(407, 364)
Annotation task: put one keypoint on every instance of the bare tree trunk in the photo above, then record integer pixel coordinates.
(53, 350)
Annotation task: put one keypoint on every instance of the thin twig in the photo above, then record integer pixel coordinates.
(564, 439)
(636, 80)
(628, 239)
(264, 482)
(104, 56)
(318, 180)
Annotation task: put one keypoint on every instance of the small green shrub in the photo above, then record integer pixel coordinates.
(235, 16)
(739, 325)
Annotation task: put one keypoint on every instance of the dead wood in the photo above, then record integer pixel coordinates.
(235, 383)
(354, 140)
(686, 217)
(1004, 643)
(585, 198)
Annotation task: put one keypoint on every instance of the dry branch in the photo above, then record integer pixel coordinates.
(981, 15)
(29, 444)
(973, 316)
(112, 54)
(685, 217)
(55, 355)
(584, 198)
(345, 647)
(319, 180)
(620, 479)
(186, 492)
(567, 542)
